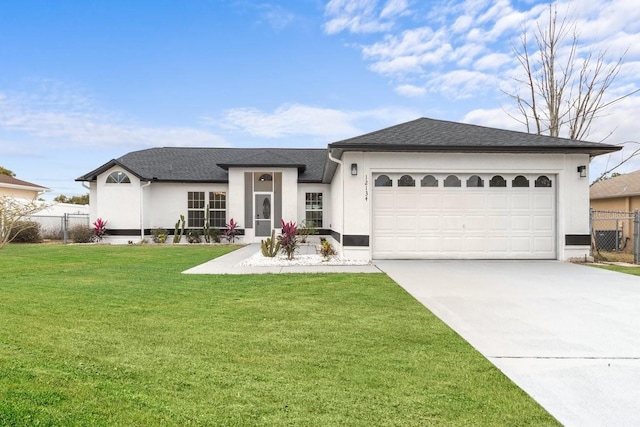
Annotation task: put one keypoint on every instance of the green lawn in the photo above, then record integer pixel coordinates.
(619, 268)
(116, 336)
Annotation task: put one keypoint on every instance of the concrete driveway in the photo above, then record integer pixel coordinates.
(569, 335)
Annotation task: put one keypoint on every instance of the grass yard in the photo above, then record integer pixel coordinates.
(115, 335)
(619, 268)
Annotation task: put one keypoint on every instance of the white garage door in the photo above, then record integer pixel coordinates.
(470, 216)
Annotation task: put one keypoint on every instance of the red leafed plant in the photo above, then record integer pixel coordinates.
(289, 238)
(231, 232)
(100, 228)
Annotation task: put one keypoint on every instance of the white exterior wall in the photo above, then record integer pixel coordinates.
(118, 204)
(572, 191)
(166, 201)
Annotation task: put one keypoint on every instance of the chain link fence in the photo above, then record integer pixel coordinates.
(615, 236)
(57, 227)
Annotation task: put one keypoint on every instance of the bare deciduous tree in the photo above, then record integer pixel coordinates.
(563, 88)
(12, 212)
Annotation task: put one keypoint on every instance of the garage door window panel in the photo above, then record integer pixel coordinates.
(429, 181)
(452, 181)
(406, 181)
(383, 181)
(520, 182)
(497, 181)
(475, 181)
(543, 181)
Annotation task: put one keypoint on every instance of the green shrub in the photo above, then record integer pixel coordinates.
(305, 230)
(326, 250)
(159, 235)
(26, 232)
(193, 236)
(81, 234)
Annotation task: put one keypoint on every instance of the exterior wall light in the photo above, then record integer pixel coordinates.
(354, 169)
(582, 170)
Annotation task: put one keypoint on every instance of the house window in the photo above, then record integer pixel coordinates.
(452, 181)
(429, 181)
(543, 181)
(263, 182)
(217, 209)
(406, 181)
(520, 181)
(497, 181)
(475, 181)
(313, 209)
(118, 178)
(195, 209)
(383, 181)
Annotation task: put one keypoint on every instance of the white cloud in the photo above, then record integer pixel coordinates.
(394, 8)
(276, 16)
(460, 42)
(362, 16)
(308, 121)
(59, 116)
(462, 24)
(411, 91)
(460, 84)
(492, 61)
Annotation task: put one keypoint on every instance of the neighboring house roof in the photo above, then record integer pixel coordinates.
(184, 164)
(625, 185)
(11, 182)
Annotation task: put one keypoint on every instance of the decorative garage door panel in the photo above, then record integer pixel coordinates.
(485, 217)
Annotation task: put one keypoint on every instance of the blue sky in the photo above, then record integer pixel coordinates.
(85, 81)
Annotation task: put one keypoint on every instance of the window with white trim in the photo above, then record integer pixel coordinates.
(118, 177)
(197, 203)
(195, 209)
(313, 209)
(217, 209)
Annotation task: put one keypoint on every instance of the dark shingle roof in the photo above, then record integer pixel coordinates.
(180, 164)
(618, 186)
(438, 135)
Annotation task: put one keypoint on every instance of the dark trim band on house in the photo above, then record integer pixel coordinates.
(356, 240)
(577, 239)
(147, 231)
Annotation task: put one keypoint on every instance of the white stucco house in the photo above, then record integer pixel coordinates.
(425, 189)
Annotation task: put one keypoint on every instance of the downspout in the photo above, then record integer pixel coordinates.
(142, 210)
(341, 163)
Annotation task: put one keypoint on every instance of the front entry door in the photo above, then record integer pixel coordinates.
(262, 209)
